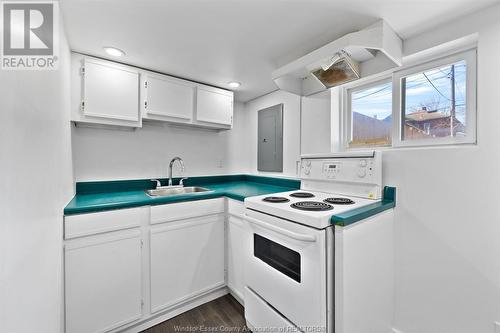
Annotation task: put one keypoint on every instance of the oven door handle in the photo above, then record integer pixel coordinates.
(288, 233)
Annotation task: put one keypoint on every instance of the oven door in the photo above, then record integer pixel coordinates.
(287, 269)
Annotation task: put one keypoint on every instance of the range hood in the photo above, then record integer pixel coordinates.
(358, 54)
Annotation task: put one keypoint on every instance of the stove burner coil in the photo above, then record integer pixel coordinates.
(302, 195)
(275, 199)
(311, 206)
(339, 201)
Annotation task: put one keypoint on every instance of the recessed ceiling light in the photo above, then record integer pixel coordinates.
(113, 51)
(234, 84)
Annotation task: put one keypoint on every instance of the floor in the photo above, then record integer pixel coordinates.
(223, 314)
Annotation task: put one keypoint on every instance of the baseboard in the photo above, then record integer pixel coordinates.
(236, 296)
(168, 314)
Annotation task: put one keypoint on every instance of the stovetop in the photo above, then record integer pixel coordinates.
(313, 210)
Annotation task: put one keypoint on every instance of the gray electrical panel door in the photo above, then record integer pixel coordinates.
(270, 136)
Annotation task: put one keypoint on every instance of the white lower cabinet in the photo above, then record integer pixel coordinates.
(103, 281)
(126, 268)
(238, 243)
(187, 259)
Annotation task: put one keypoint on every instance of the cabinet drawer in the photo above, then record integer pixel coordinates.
(95, 223)
(185, 210)
(235, 207)
(259, 314)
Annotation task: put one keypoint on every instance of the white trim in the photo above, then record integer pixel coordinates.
(187, 298)
(160, 317)
(465, 52)
(458, 45)
(346, 108)
(471, 78)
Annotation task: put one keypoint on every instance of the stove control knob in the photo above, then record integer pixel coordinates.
(361, 173)
(308, 163)
(307, 171)
(363, 163)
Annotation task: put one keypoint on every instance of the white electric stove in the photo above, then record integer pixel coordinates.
(310, 208)
(303, 273)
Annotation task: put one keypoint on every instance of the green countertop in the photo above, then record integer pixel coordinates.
(92, 197)
(352, 216)
(108, 195)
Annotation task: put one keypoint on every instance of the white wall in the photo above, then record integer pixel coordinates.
(107, 154)
(291, 132)
(36, 183)
(447, 217)
(315, 123)
(238, 154)
(447, 230)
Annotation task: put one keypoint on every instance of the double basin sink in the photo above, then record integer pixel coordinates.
(175, 190)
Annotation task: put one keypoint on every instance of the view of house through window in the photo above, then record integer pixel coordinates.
(435, 106)
(371, 115)
(434, 103)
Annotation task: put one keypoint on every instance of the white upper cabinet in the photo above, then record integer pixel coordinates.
(167, 98)
(105, 93)
(108, 93)
(214, 106)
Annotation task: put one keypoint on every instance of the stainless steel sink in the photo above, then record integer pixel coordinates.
(169, 191)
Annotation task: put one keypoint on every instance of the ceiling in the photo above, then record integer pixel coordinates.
(217, 41)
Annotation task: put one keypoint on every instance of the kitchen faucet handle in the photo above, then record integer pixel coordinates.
(181, 182)
(158, 183)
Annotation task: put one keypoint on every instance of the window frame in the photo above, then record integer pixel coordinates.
(346, 108)
(470, 57)
(397, 130)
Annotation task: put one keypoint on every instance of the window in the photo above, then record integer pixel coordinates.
(370, 115)
(437, 101)
(429, 104)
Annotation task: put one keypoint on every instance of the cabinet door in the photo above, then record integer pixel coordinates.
(169, 97)
(214, 105)
(187, 259)
(103, 287)
(238, 238)
(110, 91)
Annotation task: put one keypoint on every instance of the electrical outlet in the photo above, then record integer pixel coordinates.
(221, 164)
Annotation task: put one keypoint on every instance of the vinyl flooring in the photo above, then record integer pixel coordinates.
(223, 314)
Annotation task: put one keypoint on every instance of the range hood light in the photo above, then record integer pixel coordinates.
(341, 68)
(331, 61)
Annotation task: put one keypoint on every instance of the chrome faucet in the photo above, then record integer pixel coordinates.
(181, 162)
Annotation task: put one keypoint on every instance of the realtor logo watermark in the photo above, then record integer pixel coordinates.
(30, 38)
